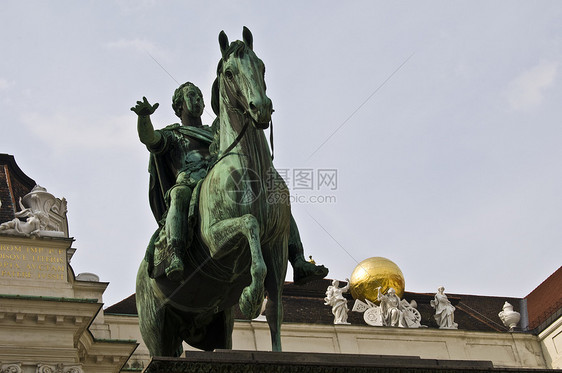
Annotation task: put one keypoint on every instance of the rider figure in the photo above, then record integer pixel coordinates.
(179, 159)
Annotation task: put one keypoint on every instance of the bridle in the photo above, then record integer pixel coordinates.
(247, 120)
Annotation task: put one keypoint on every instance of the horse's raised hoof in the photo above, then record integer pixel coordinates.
(250, 303)
(305, 272)
(174, 272)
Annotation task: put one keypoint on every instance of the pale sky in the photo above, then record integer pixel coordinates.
(442, 120)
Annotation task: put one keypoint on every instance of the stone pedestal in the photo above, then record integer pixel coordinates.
(261, 361)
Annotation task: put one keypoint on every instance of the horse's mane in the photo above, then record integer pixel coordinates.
(215, 145)
(238, 49)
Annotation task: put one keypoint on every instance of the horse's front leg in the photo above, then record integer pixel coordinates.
(221, 238)
(276, 257)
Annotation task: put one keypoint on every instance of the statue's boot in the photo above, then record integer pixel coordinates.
(174, 271)
(305, 272)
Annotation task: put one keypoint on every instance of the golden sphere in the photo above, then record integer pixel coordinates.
(372, 273)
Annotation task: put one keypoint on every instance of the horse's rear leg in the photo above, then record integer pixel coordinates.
(276, 261)
(221, 238)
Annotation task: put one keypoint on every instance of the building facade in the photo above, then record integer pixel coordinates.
(52, 320)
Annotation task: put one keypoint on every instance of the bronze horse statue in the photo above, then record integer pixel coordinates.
(240, 247)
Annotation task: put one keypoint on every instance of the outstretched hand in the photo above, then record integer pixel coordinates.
(143, 108)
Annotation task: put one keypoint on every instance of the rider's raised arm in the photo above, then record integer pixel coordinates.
(147, 135)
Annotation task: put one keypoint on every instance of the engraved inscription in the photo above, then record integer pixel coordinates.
(20, 262)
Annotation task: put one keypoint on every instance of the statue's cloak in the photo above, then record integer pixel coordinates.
(162, 178)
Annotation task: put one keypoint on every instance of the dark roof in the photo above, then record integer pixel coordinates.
(126, 307)
(545, 302)
(14, 183)
(481, 312)
(305, 304)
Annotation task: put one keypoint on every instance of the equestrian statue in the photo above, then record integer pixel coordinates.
(225, 230)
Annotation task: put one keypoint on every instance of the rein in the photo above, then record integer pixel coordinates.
(240, 135)
(237, 140)
(271, 137)
(234, 143)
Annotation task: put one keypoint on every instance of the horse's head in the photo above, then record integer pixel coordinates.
(241, 74)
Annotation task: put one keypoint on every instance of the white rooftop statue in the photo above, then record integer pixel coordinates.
(444, 310)
(334, 297)
(44, 215)
(16, 227)
(392, 311)
(509, 317)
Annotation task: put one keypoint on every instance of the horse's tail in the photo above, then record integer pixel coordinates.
(152, 318)
(147, 305)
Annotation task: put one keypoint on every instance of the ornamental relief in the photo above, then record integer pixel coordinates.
(41, 215)
(10, 368)
(59, 368)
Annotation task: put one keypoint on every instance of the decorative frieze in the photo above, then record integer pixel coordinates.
(10, 368)
(59, 368)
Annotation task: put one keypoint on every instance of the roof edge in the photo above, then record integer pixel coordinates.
(10, 161)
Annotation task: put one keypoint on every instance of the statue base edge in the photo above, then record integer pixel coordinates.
(233, 361)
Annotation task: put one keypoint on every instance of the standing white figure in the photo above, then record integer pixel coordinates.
(444, 310)
(334, 297)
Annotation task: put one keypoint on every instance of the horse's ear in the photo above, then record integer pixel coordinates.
(215, 97)
(248, 38)
(223, 42)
